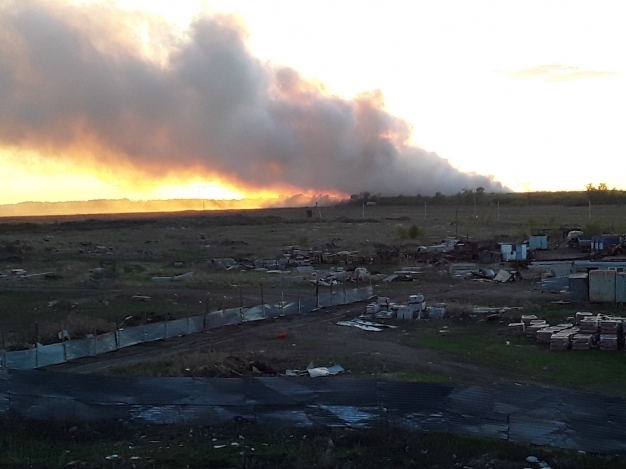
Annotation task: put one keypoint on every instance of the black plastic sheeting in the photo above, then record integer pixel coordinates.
(524, 414)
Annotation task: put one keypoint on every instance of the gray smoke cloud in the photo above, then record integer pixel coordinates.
(75, 84)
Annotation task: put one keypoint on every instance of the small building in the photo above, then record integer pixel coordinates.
(602, 286)
(538, 242)
(604, 244)
(513, 252)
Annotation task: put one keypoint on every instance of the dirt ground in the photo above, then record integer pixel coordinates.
(272, 346)
(152, 245)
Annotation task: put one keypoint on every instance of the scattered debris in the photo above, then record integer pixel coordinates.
(316, 372)
(282, 335)
(140, 298)
(365, 325)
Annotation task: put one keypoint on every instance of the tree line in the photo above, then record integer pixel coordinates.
(600, 195)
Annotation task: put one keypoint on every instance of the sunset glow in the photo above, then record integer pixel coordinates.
(142, 100)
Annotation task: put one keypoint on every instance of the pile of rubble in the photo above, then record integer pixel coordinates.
(415, 308)
(589, 331)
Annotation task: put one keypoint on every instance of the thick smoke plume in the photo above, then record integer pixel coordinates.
(80, 83)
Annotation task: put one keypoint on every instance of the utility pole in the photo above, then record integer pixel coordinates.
(498, 211)
(590, 210)
(456, 223)
(424, 210)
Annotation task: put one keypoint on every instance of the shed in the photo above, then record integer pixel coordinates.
(603, 244)
(513, 252)
(602, 286)
(579, 287)
(538, 242)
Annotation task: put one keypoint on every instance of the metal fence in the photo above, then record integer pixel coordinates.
(523, 414)
(45, 355)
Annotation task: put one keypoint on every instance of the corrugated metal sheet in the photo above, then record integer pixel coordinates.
(579, 287)
(602, 286)
(620, 287)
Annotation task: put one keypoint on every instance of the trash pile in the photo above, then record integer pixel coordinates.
(316, 371)
(415, 308)
(471, 271)
(589, 331)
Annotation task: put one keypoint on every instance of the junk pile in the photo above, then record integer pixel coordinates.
(589, 331)
(415, 308)
(471, 271)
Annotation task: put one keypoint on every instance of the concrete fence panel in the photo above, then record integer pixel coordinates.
(325, 300)
(52, 354)
(308, 304)
(130, 336)
(273, 310)
(290, 308)
(75, 349)
(232, 316)
(177, 328)
(256, 313)
(106, 343)
(196, 323)
(154, 331)
(21, 359)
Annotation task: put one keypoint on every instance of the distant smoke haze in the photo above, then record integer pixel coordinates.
(77, 83)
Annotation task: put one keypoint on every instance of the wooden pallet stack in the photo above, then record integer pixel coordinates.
(611, 331)
(562, 340)
(544, 335)
(583, 341)
(516, 328)
(582, 315)
(534, 326)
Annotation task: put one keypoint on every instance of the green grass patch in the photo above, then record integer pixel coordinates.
(487, 344)
(128, 445)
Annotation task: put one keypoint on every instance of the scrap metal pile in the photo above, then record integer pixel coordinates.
(589, 331)
(415, 308)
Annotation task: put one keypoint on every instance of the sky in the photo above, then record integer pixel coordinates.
(149, 99)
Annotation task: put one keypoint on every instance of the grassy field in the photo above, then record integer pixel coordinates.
(122, 446)
(490, 346)
(131, 250)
